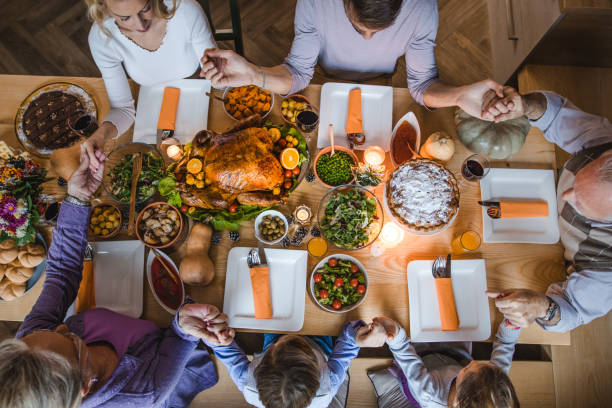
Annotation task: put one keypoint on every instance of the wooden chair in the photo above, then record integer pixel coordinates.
(226, 34)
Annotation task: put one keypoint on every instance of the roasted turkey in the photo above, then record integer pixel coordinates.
(239, 165)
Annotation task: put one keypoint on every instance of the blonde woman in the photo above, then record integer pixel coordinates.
(152, 41)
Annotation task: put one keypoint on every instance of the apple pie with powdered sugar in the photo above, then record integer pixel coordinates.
(423, 195)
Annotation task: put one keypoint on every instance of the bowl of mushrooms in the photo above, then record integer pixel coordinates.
(159, 225)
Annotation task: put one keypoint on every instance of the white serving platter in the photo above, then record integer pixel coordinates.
(287, 289)
(191, 115)
(469, 279)
(376, 111)
(520, 184)
(118, 276)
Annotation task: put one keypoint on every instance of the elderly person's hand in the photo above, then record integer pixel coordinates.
(87, 177)
(513, 105)
(521, 307)
(226, 68)
(475, 97)
(207, 323)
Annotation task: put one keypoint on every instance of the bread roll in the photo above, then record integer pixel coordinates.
(8, 255)
(18, 274)
(8, 244)
(2, 271)
(31, 255)
(10, 291)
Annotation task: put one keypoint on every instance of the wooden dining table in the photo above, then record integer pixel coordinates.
(532, 266)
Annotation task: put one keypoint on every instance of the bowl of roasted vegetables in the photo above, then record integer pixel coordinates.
(117, 181)
(245, 101)
(339, 283)
(350, 217)
(105, 221)
(292, 106)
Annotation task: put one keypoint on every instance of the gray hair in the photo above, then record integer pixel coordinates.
(605, 171)
(36, 378)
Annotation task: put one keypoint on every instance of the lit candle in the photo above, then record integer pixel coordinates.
(174, 152)
(391, 235)
(374, 155)
(302, 214)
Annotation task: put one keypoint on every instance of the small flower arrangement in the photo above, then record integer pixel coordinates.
(20, 188)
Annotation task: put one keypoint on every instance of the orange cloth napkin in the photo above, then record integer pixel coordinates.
(260, 281)
(523, 209)
(446, 303)
(167, 114)
(353, 118)
(86, 296)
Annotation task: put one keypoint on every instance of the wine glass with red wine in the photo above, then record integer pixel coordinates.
(82, 123)
(475, 167)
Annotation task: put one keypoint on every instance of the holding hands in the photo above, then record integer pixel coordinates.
(206, 323)
(88, 176)
(377, 333)
(226, 68)
(521, 307)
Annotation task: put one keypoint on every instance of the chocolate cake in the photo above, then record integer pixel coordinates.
(45, 122)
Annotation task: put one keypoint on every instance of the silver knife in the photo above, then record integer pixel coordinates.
(448, 266)
(262, 255)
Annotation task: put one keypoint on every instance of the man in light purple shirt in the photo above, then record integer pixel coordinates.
(584, 198)
(356, 40)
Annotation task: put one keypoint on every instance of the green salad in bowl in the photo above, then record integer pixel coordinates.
(350, 217)
(117, 179)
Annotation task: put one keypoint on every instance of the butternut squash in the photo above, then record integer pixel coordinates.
(196, 267)
(65, 161)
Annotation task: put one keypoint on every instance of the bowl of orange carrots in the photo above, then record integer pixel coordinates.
(244, 101)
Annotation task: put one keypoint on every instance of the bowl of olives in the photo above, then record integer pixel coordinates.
(271, 227)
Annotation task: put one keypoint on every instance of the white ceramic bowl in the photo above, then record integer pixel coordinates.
(167, 258)
(343, 309)
(258, 221)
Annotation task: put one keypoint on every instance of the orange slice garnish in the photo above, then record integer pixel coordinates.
(290, 158)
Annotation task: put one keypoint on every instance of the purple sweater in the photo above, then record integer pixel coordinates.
(163, 368)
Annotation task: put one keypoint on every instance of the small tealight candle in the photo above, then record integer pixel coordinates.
(302, 214)
(391, 235)
(374, 155)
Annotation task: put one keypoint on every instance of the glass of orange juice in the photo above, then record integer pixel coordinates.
(317, 247)
(467, 241)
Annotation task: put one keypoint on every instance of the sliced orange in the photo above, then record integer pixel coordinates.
(194, 166)
(290, 158)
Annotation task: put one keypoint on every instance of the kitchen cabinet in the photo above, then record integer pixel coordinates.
(554, 32)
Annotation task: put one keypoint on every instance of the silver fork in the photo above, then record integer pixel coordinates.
(438, 269)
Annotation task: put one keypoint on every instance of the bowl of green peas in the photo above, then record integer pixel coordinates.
(335, 170)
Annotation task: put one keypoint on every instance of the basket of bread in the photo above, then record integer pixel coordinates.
(20, 267)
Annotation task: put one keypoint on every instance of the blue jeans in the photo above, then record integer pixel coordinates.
(325, 342)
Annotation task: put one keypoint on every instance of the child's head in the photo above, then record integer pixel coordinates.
(484, 385)
(288, 374)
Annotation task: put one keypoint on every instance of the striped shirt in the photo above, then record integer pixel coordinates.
(587, 292)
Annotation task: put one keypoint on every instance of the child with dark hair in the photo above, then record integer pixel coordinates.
(296, 371)
(444, 374)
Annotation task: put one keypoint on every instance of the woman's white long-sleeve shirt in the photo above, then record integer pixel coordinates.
(187, 36)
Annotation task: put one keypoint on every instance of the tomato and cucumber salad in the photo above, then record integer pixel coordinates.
(339, 282)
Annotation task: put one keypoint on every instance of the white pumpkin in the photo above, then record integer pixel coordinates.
(438, 146)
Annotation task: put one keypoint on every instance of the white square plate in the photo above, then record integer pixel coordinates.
(118, 275)
(469, 279)
(376, 111)
(191, 115)
(517, 184)
(287, 288)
